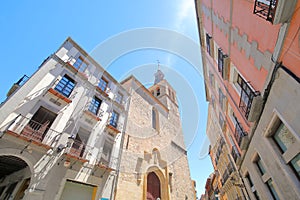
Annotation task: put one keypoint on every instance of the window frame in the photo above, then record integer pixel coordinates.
(93, 107)
(247, 94)
(119, 97)
(80, 64)
(64, 84)
(208, 46)
(272, 189)
(221, 57)
(114, 118)
(103, 84)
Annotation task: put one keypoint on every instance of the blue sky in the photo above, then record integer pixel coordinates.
(32, 30)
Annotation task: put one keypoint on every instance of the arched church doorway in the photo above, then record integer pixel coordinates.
(153, 187)
(14, 177)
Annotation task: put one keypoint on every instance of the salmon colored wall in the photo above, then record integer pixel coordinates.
(218, 35)
(250, 24)
(290, 53)
(246, 67)
(256, 28)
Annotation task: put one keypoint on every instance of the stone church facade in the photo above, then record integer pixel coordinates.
(154, 163)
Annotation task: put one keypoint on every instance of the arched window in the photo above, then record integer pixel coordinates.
(154, 119)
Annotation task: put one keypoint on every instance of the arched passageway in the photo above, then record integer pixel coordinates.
(14, 177)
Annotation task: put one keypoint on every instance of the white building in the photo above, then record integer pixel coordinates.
(61, 130)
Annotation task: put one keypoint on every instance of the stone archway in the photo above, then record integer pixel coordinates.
(156, 184)
(153, 187)
(15, 176)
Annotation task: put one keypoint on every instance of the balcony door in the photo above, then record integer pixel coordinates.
(39, 124)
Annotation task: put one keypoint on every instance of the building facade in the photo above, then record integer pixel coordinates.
(71, 131)
(250, 50)
(61, 130)
(154, 161)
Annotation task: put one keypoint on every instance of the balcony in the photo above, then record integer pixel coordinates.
(223, 64)
(110, 164)
(114, 127)
(246, 97)
(93, 116)
(228, 171)
(31, 131)
(17, 85)
(239, 133)
(275, 11)
(79, 151)
(265, 9)
(235, 153)
(105, 92)
(77, 66)
(59, 95)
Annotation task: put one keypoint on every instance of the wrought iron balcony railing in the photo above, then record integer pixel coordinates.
(30, 130)
(239, 133)
(78, 150)
(246, 97)
(17, 85)
(265, 9)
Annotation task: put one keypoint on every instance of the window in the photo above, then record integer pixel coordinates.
(119, 98)
(103, 83)
(272, 189)
(239, 132)
(212, 79)
(154, 119)
(208, 44)
(260, 165)
(221, 57)
(157, 91)
(80, 65)
(222, 99)
(283, 137)
(247, 95)
(295, 164)
(252, 186)
(221, 121)
(285, 140)
(65, 86)
(95, 105)
(114, 119)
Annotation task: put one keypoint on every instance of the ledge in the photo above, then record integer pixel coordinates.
(101, 91)
(57, 94)
(73, 69)
(92, 115)
(83, 160)
(29, 140)
(115, 130)
(102, 166)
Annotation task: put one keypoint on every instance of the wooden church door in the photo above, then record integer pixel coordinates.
(153, 187)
